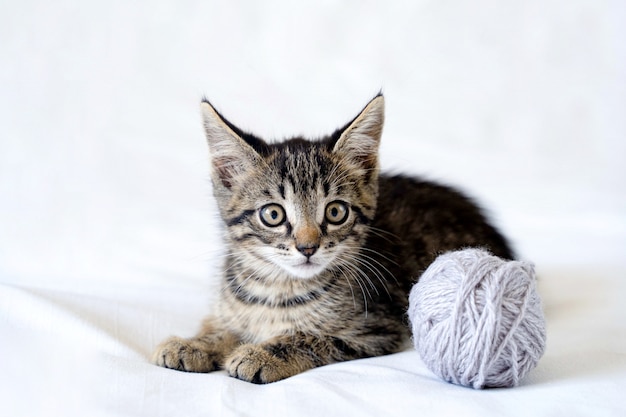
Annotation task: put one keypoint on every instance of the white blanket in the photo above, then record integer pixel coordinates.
(110, 241)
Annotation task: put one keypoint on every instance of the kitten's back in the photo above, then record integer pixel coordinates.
(416, 220)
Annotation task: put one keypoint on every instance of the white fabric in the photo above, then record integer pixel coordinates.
(109, 239)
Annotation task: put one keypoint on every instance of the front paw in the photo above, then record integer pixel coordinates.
(189, 355)
(254, 364)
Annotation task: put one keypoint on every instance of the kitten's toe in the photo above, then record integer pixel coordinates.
(254, 364)
(184, 355)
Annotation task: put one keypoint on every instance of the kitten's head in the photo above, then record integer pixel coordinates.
(298, 207)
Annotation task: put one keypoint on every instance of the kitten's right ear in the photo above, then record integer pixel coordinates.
(359, 140)
(230, 155)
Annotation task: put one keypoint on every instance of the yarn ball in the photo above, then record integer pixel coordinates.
(477, 319)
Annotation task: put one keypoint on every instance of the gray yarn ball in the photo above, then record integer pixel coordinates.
(477, 319)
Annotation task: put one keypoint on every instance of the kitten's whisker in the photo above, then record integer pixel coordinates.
(357, 274)
(384, 234)
(370, 263)
(343, 184)
(364, 274)
(380, 263)
(377, 274)
(340, 267)
(331, 175)
(348, 269)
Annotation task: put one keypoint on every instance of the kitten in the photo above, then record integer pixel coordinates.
(322, 251)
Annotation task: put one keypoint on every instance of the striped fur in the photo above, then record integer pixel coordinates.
(321, 250)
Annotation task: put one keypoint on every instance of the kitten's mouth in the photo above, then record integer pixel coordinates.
(305, 269)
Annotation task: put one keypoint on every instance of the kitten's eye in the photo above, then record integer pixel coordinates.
(336, 212)
(272, 215)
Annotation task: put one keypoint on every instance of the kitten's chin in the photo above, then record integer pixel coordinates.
(304, 270)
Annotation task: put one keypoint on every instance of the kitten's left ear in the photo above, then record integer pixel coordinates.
(360, 138)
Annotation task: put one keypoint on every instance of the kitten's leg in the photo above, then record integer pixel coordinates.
(203, 353)
(286, 356)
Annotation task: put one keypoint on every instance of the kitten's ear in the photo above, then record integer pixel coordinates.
(360, 138)
(230, 155)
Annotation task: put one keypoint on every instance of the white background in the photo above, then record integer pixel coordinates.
(106, 218)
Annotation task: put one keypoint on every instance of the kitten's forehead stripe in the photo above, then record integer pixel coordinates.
(292, 181)
(326, 187)
(302, 165)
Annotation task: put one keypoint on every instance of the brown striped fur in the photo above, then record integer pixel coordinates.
(321, 250)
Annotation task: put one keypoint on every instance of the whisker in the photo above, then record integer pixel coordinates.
(348, 269)
(349, 286)
(388, 236)
(380, 263)
(373, 270)
(363, 273)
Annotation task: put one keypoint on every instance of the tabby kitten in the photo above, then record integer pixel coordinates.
(321, 250)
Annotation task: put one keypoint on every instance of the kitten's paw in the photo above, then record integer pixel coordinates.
(185, 355)
(254, 364)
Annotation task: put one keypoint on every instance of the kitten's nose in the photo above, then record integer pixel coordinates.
(307, 250)
(307, 240)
